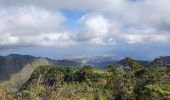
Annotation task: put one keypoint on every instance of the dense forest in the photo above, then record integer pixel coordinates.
(132, 81)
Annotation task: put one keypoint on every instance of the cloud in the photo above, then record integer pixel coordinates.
(96, 24)
(50, 39)
(94, 29)
(41, 23)
(29, 18)
(30, 26)
(137, 38)
(93, 26)
(7, 39)
(83, 5)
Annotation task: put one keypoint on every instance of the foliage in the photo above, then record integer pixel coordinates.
(130, 82)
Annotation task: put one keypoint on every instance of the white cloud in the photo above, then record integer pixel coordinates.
(29, 18)
(95, 24)
(138, 38)
(7, 39)
(95, 29)
(83, 5)
(106, 22)
(30, 26)
(50, 39)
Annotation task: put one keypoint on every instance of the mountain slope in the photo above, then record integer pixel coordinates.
(76, 83)
(13, 63)
(16, 69)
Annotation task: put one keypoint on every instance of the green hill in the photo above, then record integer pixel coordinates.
(129, 81)
(16, 69)
(88, 83)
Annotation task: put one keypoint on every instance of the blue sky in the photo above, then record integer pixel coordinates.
(68, 28)
(72, 16)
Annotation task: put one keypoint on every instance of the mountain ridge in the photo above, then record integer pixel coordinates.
(14, 63)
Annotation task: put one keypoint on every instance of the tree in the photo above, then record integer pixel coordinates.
(168, 68)
(158, 62)
(132, 64)
(86, 69)
(111, 68)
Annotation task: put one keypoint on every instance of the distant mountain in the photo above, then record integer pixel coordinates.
(144, 63)
(161, 61)
(16, 69)
(65, 62)
(14, 63)
(99, 61)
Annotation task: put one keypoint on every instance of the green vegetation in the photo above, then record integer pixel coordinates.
(18, 76)
(129, 82)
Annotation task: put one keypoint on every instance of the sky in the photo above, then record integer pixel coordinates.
(68, 28)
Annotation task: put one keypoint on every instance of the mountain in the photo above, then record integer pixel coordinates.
(144, 63)
(99, 61)
(16, 69)
(15, 63)
(161, 61)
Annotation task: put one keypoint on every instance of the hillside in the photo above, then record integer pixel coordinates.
(75, 83)
(14, 63)
(43, 78)
(16, 69)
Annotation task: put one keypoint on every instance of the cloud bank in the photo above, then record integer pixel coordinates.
(105, 22)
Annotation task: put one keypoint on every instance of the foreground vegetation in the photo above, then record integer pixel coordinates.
(129, 82)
